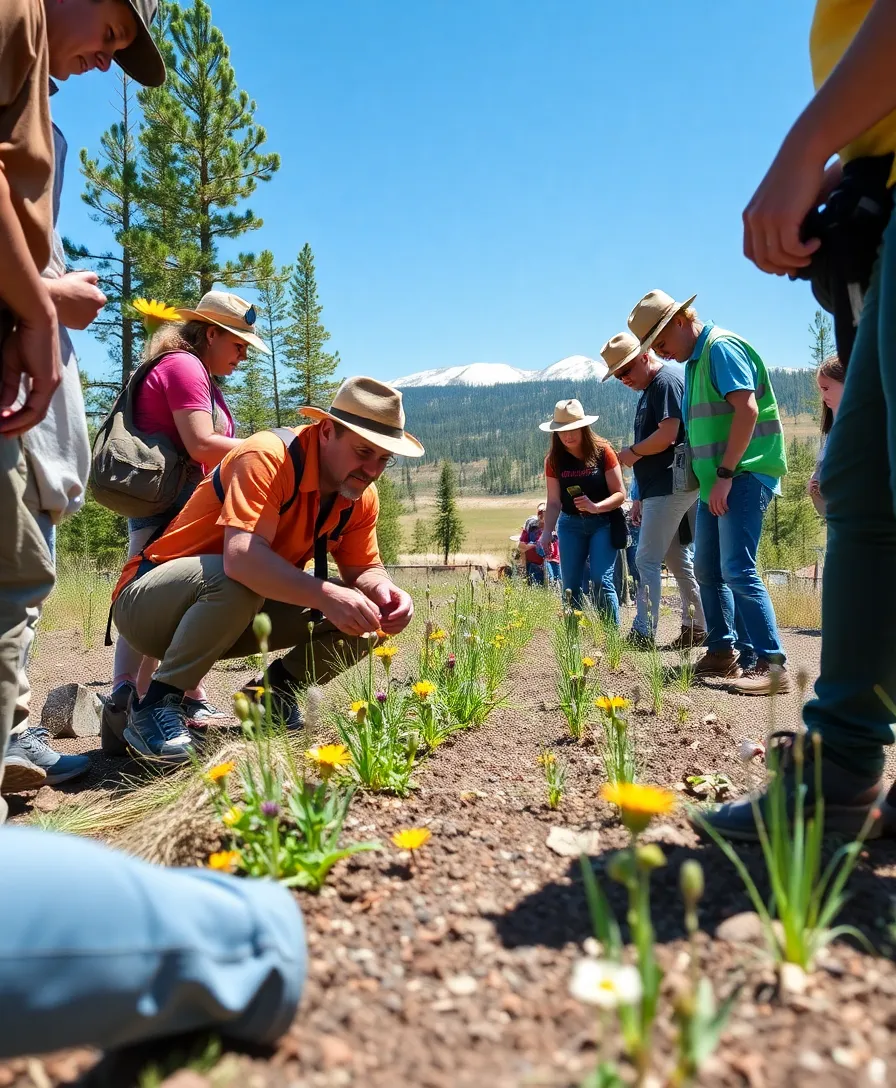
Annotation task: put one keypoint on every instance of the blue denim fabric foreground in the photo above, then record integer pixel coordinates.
(587, 539)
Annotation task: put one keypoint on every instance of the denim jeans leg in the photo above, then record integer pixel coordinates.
(535, 574)
(553, 566)
(718, 601)
(739, 532)
(573, 553)
(858, 645)
(603, 562)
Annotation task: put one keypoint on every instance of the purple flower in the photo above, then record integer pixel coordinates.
(451, 661)
(381, 696)
(270, 809)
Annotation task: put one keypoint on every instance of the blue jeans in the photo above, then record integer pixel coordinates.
(535, 574)
(725, 565)
(858, 482)
(588, 539)
(553, 569)
(111, 951)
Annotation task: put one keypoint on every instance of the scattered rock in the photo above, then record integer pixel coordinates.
(811, 1061)
(793, 979)
(334, 1051)
(570, 844)
(667, 833)
(461, 985)
(744, 928)
(71, 710)
(844, 1057)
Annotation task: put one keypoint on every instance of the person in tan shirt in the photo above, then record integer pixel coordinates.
(39, 39)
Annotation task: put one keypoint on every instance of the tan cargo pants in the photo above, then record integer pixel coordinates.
(26, 579)
(189, 615)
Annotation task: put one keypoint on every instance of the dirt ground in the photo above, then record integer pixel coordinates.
(454, 972)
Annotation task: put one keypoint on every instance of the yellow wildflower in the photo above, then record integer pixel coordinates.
(385, 652)
(547, 759)
(638, 804)
(225, 861)
(329, 757)
(232, 816)
(358, 705)
(221, 770)
(438, 636)
(588, 662)
(611, 703)
(412, 838)
(423, 689)
(578, 612)
(154, 313)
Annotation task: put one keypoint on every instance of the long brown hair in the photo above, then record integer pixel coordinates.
(188, 336)
(593, 447)
(834, 371)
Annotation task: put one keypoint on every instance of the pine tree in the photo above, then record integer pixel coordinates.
(422, 539)
(822, 332)
(272, 321)
(314, 367)
(251, 401)
(203, 152)
(448, 528)
(388, 527)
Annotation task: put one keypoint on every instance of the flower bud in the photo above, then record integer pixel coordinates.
(692, 883)
(620, 867)
(650, 857)
(261, 627)
(241, 706)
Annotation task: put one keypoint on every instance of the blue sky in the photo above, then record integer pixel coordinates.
(501, 180)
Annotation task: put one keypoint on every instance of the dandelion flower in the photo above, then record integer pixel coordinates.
(639, 804)
(423, 689)
(224, 861)
(220, 771)
(154, 313)
(438, 636)
(329, 756)
(232, 816)
(604, 984)
(412, 838)
(547, 759)
(587, 662)
(749, 749)
(611, 703)
(385, 653)
(358, 705)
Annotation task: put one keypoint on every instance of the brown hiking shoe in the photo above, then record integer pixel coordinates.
(690, 638)
(722, 663)
(764, 679)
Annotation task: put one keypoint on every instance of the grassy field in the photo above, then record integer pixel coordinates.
(489, 520)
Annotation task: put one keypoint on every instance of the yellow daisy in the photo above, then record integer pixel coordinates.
(438, 636)
(232, 816)
(225, 861)
(611, 703)
(332, 756)
(385, 652)
(412, 838)
(638, 804)
(221, 770)
(154, 313)
(423, 689)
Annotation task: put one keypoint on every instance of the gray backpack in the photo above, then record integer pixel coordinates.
(136, 474)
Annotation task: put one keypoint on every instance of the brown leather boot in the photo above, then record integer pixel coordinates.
(719, 663)
(690, 638)
(765, 678)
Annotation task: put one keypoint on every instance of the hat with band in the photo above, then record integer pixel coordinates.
(373, 410)
(230, 312)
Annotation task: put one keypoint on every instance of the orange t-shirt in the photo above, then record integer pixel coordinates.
(258, 479)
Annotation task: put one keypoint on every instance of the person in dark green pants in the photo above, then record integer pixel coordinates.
(853, 115)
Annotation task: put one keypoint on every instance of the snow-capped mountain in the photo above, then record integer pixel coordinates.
(573, 368)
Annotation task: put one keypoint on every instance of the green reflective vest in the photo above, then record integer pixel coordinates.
(709, 418)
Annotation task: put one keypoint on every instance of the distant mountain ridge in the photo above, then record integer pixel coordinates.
(573, 368)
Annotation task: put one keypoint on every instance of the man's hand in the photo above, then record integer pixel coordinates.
(718, 497)
(32, 351)
(77, 298)
(627, 458)
(584, 505)
(635, 512)
(350, 610)
(396, 607)
(772, 219)
(812, 487)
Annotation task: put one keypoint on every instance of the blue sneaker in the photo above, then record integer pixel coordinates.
(203, 711)
(160, 731)
(32, 745)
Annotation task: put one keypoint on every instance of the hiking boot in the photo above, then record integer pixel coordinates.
(201, 711)
(848, 798)
(57, 768)
(159, 731)
(114, 719)
(765, 678)
(637, 640)
(19, 773)
(690, 638)
(718, 663)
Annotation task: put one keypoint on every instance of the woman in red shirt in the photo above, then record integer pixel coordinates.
(180, 398)
(585, 496)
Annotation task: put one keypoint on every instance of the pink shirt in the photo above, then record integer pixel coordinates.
(179, 383)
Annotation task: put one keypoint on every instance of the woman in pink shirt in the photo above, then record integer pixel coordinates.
(180, 398)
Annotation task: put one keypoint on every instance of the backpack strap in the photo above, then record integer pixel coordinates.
(289, 438)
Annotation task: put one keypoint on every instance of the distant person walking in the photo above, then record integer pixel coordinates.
(830, 380)
(180, 399)
(540, 569)
(585, 495)
(663, 501)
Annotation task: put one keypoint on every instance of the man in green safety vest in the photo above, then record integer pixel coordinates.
(737, 445)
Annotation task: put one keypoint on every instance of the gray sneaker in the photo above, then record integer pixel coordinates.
(160, 731)
(19, 773)
(32, 745)
(114, 719)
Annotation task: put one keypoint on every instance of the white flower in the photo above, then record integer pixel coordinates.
(749, 749)
(605, 984)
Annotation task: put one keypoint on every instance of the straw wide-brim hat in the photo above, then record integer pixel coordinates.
(568, 416)
(618, 352)
(142, 60)
(230, 312)
(652, 314)
(373, 410)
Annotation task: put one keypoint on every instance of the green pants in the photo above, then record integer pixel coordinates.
(189, 615)
(26, 578)
(858, 482)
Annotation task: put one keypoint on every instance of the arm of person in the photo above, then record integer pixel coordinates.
(743, 420)
(32, 349)
(552, 506)
(661, 439)
(250, 560)
(859, 92)
(197, 432)
(616, 487)
(77, 298)
(395, 605)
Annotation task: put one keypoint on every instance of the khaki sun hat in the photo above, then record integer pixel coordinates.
(618, 352)
(230, 312)
(568, 415)
(373, 410)
(142, 60)
(652, 314)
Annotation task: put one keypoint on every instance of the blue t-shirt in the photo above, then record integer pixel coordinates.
(730, 369)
